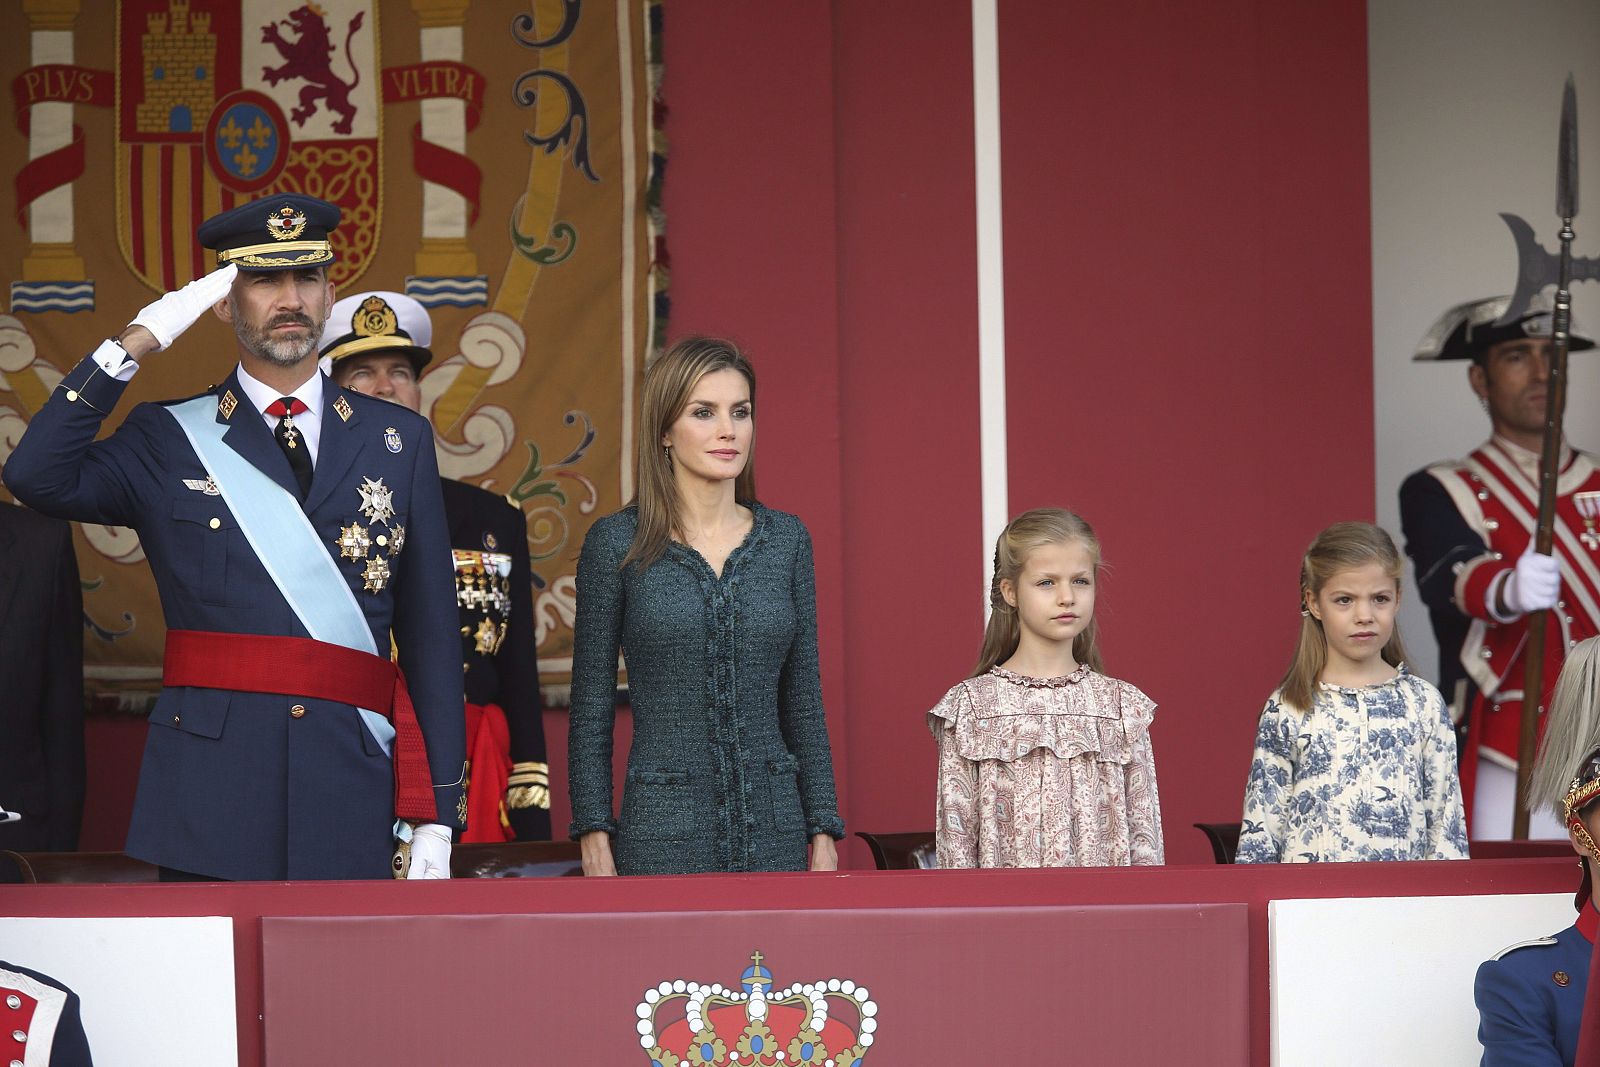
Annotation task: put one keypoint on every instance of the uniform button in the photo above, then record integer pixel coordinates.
(215, 523)
(1496, 707)
(382, 540)
(19, 1036)
(1496, 555)
(1491, 524)
(1482, 495)
(176, 719)
(1561, 605)
(298, 710)
(1488, 653)
(13, 1002)
(72, 394)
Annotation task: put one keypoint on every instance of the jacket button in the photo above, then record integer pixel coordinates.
(298, 710)
(72, 394)
(215, 524)
(19, 1036)
(176, 719)
(14, 1002)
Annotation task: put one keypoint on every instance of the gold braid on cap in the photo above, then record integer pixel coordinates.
(1584, 791)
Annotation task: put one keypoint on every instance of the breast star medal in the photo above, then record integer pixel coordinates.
(353, 541)
(376, 576)
(377, 500)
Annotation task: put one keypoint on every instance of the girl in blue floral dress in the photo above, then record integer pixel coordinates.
(1355, 756)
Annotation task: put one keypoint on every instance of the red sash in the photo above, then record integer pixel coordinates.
(302, 667)
(489, 750)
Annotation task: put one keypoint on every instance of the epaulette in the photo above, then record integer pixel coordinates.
(1523, 944)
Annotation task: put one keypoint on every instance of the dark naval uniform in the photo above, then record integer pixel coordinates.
(41, 1021)
(509, 794)
(247, 784)
(1530, 997)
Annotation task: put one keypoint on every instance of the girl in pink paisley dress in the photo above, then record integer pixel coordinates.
(1043, 760)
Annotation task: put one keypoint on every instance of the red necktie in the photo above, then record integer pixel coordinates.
(292, 441)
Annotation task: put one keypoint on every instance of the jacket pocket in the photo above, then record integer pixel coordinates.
(204, 533)
(659, 805)
(788, 814)
(201, 712)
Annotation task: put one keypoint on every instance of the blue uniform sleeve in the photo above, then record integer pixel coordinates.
(1515, 1026)
(427, 640)
(59, 469)
(1436, 537)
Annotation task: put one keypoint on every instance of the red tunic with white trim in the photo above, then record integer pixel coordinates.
(1495, 489)
(40, 1021)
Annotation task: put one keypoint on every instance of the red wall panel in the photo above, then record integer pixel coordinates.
(1188, 330)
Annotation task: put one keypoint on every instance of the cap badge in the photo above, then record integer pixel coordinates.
(377, 500)
(1588, 505)
(391, 438)
(374, 318)
(286, 223)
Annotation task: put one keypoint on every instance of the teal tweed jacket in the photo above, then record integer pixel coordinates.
(729, 769)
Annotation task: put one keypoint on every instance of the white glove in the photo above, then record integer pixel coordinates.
(177, 311)
(1534, 585)
(430, 851)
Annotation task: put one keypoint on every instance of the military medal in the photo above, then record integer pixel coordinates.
(376, 575)
(377, 500)
(397, 540)
(353, 541)
(487, 640)
(1588, 505)
(291, 436)
(202, 485)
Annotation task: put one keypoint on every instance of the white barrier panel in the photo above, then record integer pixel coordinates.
(1378, 980)
(154, 992)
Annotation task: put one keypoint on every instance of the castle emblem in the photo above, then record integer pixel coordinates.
(221, 101)
(827, 1023)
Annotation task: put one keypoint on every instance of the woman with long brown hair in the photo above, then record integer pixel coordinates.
(711, 599)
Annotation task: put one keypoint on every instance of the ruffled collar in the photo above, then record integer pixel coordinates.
(1401, 672)
(1042, 683)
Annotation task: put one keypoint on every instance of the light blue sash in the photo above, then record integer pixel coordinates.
(285, 542)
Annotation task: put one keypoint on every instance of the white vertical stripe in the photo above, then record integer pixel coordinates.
(50, 216)
(991, 279)
(630, 199)
(444, 123)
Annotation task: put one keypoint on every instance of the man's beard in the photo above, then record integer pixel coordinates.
(279, 351)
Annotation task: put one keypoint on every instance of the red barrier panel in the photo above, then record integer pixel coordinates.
(603, 903)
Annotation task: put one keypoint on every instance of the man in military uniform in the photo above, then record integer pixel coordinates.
(1469, 527)
(294, 530)
(377, 343)
(42, 1021)
(1530, 996)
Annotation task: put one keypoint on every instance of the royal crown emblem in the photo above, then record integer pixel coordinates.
(285, 224)
(827, 1023)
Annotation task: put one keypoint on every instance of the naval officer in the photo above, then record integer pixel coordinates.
(296, 534)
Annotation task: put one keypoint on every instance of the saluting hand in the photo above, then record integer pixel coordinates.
(166, 318)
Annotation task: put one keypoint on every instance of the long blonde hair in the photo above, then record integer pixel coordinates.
(1572, 729)
(1341, 547)
(668, 383)
(1023, 534)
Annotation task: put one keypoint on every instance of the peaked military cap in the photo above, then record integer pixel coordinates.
(283, 232)
(378, 321)
(1468, 331)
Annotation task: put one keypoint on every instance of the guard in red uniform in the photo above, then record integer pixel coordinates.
(1469, 526)
(40, 1023)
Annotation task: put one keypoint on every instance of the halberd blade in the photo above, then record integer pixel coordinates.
(1567, 155)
